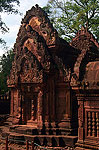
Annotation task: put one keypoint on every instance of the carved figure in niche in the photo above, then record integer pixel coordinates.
(74, 79)
(30, 70)
(25, 70)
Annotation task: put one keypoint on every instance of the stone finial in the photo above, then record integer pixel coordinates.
(37, 6)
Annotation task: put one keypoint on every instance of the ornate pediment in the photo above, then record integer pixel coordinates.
(26, 69)
(30, 40)
(31, 54)
(32, 49)
(84, 39)
(38, 20)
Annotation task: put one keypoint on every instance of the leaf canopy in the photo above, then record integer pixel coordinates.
(69, 15)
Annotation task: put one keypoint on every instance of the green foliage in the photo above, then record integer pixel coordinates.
(5, 67)
(69, 15)
(9, 7)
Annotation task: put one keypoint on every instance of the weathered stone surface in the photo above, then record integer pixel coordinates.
(50, 81)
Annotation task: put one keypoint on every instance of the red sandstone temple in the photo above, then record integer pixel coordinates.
(54, 85)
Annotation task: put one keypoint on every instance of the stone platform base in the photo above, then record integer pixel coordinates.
(23, 133)
(87, 145)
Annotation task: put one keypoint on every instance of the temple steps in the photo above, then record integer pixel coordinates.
(8, 121)
(21, 133)
(87, 146)
(43, 140)
(24, 129)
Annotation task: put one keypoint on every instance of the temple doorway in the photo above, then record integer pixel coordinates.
(30, 108)
(27, 109)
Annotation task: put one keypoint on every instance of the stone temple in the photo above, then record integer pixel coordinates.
(54, 85)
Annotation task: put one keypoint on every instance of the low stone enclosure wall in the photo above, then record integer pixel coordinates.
(5, 104)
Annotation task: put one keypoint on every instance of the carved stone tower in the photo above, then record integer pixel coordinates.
(53, 96)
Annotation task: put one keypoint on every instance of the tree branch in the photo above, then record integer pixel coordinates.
(93, 13)
(79, 4)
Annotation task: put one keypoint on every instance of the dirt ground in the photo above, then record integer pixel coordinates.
(11, 146)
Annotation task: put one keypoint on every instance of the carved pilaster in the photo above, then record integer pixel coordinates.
(47, 107)
(40, 99)
(32, 110)
(68, 105)
(16, 106)
(81, 119)
(46, 100)
(22, 99)
(52, 101)
(19, 106)
(12, 103)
